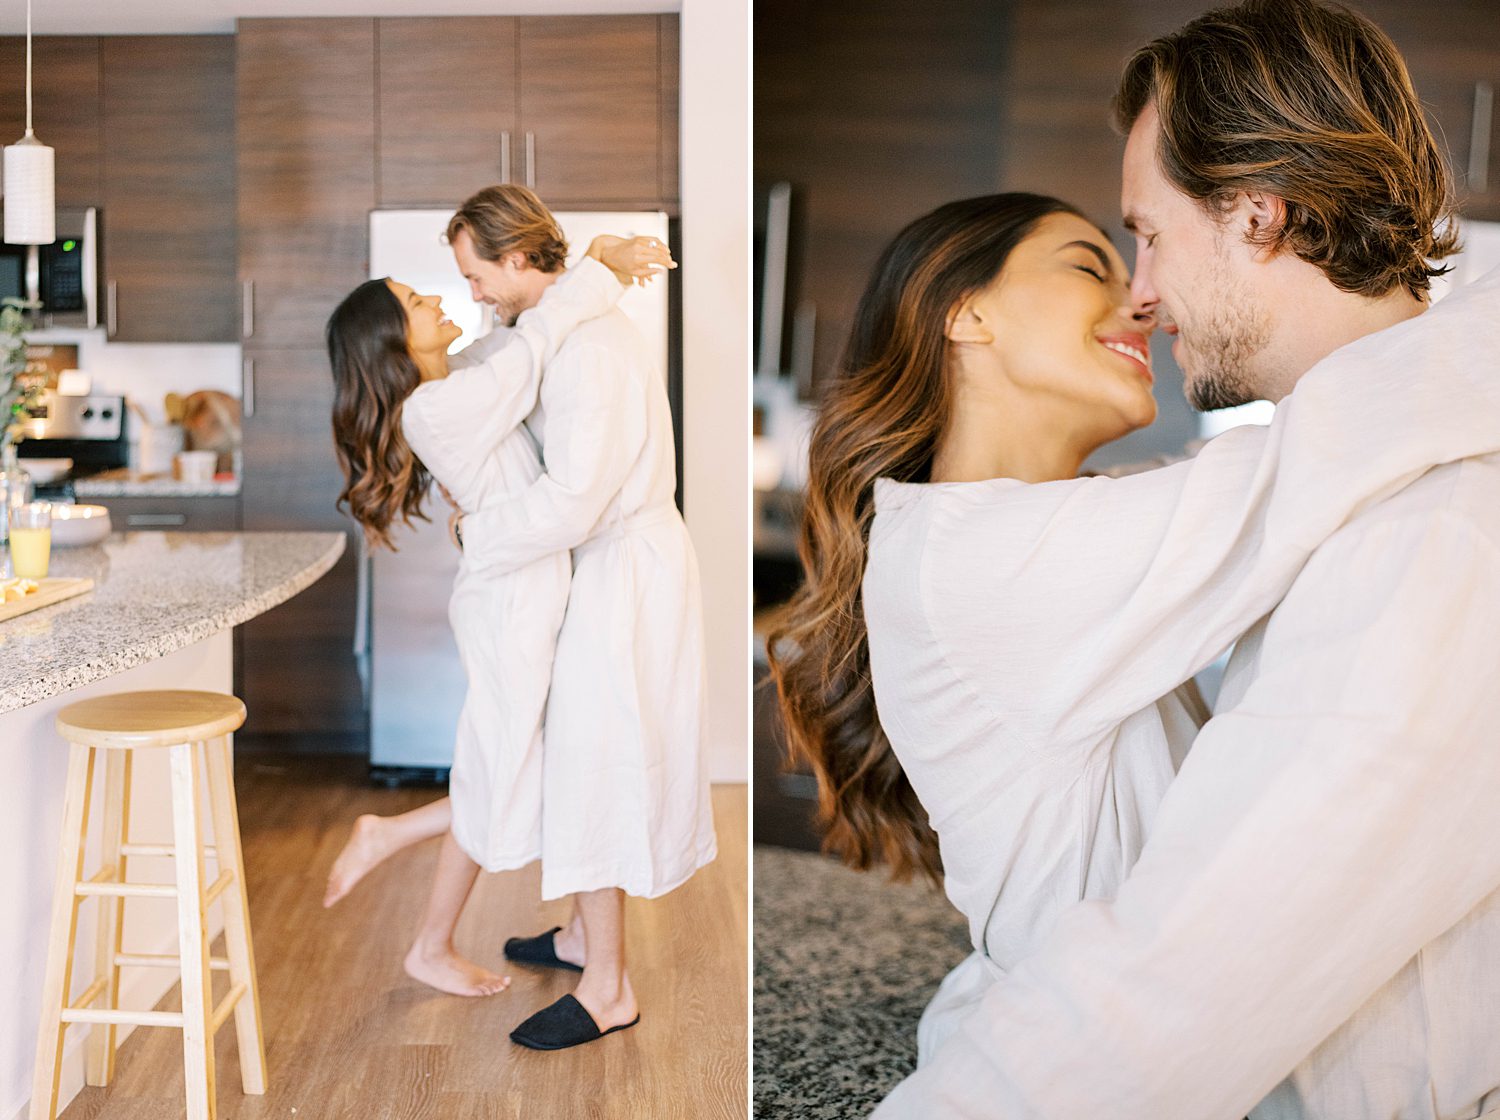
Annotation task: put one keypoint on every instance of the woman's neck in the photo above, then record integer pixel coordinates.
(1008, 435)
(432, 366)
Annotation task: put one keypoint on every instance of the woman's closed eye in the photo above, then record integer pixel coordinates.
(1094, 272)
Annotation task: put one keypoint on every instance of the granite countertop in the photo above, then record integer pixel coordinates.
(154, 593)
(845, 961)
(122, 484)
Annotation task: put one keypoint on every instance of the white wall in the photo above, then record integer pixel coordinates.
(716, 355)
(147, 372)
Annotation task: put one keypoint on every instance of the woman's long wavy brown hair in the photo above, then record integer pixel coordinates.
(373, 374)
(881, 417)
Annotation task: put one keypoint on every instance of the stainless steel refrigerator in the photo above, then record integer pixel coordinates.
(416, 684)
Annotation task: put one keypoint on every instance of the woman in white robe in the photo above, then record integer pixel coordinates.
(1027, 646)
(463, 428)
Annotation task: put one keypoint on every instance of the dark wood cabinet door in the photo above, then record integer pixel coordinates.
(168, 171)
(300, 674)
(590, 109)
(446, 108)
(670, 30)
(65, 109)
(305, 120)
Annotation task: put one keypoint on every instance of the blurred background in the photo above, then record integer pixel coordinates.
(867, 114)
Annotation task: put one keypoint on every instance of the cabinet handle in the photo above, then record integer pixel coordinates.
(531, 160)
(1479, 137)
(111, 309)
(505, 157)
(247, 309)
(154, 520)
(247, 389)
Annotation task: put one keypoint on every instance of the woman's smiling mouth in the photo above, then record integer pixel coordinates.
(1135, 349)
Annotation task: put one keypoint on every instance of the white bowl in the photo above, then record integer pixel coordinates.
(73, 526)
(43, 471)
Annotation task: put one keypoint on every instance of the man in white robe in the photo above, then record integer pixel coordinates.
(1313, 927)
(625, 801)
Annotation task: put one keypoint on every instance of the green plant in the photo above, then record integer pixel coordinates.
(17, 392)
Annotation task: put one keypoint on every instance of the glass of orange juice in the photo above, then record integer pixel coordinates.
(31, 539)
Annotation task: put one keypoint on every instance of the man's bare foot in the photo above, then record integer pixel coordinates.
(446, 971)
(610, 1005)
(568, 944)
(363, 850)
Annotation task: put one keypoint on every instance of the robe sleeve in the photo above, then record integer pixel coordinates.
(453, 424)
(1335, 820)
(1070, 605)
(594, 431)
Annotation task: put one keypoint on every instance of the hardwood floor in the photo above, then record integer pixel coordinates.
(348, 1035)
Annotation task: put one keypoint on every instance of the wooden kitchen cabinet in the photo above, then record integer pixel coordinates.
(305, 123)
(447, 108)
(590, 114)
(168, 188)
(65, 113)
(299, 671)
(219, 514)
(582, 108)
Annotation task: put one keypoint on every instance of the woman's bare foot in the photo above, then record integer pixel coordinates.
(443, 969)
(610, 1005)
(364, 849)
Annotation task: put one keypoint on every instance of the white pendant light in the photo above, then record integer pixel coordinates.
(30, 198)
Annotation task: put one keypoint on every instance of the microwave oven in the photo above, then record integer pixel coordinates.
(60, 280)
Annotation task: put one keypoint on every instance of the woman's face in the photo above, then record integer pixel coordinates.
(428, 330)
(1058, 323)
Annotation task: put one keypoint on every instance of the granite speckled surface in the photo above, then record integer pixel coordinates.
(845, 961)
(154, 593)
(156, 486)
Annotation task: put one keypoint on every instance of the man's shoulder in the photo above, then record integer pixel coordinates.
(613, 330)
(611, 336)
(1464, 495)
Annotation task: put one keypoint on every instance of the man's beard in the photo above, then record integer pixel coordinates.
(1224, 344)
(507, 311)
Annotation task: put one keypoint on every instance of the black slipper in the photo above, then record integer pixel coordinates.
(538, 950)
(560, 1025)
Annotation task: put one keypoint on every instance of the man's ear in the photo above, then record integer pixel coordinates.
(1260, 216)
(966, 324)
(515, 260)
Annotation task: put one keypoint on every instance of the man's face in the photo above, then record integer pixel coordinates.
(1191, 272)
(501, 284)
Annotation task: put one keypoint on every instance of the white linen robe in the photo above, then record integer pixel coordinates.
(625, 798)
(1020, 636)
(467, 430)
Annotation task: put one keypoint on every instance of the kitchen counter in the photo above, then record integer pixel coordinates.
(155, 593)
(159, 617)
(122, 484)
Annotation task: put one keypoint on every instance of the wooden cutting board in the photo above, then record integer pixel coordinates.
(51, 591)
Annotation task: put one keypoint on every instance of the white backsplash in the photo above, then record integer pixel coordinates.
(147, 372)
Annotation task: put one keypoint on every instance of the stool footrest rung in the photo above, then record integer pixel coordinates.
(126, 890)
(123, 1018)
(226, 1005)
(218, 886)
(209, 851)
(90, 994)
(164, 960)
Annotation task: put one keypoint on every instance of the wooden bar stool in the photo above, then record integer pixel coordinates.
(119, 725)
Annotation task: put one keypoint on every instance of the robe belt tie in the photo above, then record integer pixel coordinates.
(661, 514)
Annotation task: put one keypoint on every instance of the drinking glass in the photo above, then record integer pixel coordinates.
(31, 539)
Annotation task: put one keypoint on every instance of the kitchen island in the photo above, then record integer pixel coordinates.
(161, 615)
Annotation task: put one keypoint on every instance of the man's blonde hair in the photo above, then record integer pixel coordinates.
(511, 219)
